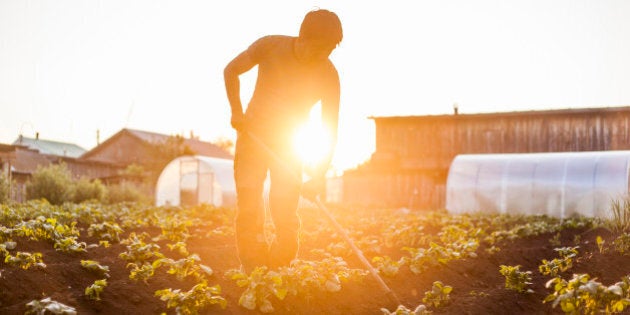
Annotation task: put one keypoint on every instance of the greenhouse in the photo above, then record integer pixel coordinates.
(555, 184)
(193, 180)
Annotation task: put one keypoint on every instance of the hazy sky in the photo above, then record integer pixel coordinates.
(71, 67)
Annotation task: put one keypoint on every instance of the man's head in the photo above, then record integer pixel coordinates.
(322, 25)
(320, 33)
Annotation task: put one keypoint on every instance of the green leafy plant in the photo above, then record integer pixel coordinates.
(622, 244)
(562, 264)
(600, 244)
(191, 302)
(555, 240)
(70, 245)
(439, 295)
(302, 277)
(179, 247)
(403, 310)
(620, 221)
(89, 190)
(260, 286)
(184, 267)
(105, 231)
(582, 295)
(5, 188)
(515, 279)
(48, 306)
(95, 267)
(387, 266)
(141, 272)
(25, 260)
(95, 289)
(126, 192)
(52, 182)
(174, 228)
(436, 254)
(138, 252)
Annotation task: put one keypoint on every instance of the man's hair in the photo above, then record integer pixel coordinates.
(322, 24)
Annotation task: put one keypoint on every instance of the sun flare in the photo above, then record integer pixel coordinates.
(312, 140)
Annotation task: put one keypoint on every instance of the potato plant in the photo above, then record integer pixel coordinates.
(199, 297)
(403, 310)
(439, 295)
(515, 279)
(25, 260)
(108, 231)
(301, 278)
(583, 295)
(48, 306)
(558, 265)
(95, 267)
(93, 292)
(184, 267)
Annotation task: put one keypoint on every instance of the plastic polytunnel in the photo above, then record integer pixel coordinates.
(192, 180)
(555, 184)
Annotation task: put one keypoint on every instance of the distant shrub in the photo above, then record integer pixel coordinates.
(620, 221)
(125, 192)
(52, 182)
(85, 189)
(4, 188)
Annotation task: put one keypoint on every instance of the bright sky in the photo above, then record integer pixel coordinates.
(71, 67)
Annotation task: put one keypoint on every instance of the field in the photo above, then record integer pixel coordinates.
(183, 260)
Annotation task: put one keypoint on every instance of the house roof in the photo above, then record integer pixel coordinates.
(196, 145)
(51, 147)
(566, 111)
(199, 147)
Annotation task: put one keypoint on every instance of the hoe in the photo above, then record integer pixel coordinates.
(388, 292)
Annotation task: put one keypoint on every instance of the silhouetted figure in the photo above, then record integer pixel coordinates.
(294, 73)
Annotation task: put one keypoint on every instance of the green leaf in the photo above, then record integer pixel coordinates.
(206, 269)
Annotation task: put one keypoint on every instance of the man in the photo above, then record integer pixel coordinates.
(294, 73)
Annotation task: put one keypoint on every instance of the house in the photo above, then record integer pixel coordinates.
(106, 162)
(413, 153)
(17, 163)
(150, 151)
(49, 147)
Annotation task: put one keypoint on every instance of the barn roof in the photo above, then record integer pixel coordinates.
(197, 146)
(565, 111)
(51, 147)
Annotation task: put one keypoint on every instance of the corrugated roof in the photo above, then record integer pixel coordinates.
(198, 146)
(586, 110)
(51, 147)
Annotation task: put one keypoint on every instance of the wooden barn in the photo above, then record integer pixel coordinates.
(413, 153)
(148, 150)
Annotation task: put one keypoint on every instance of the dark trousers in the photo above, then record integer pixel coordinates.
(252, 162)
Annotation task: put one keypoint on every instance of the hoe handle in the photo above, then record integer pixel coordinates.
(390, 294)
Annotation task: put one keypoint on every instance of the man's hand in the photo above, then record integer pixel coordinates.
(238, 121)
(314, 187)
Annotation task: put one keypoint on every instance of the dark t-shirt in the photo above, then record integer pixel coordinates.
(286, 89)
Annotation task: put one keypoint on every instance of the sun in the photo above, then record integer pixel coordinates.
(312, 140)
(354, 144)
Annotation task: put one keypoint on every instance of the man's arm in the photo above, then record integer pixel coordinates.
(239, 65)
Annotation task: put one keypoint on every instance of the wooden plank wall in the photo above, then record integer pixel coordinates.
(413, 153)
